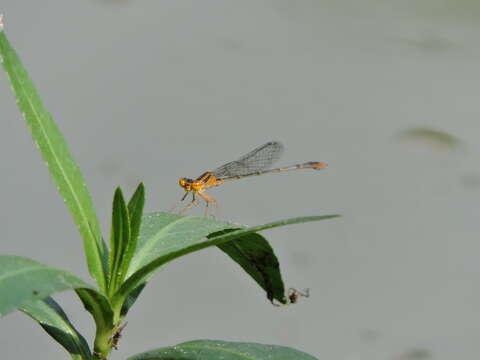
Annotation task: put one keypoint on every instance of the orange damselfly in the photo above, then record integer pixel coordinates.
(256, 162)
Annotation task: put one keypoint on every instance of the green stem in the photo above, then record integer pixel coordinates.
(104, 334)
(117, 310)
(102, 345)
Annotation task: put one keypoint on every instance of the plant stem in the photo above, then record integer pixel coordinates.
(103, 338)
(102, 345)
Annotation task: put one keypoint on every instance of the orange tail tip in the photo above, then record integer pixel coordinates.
(318, 165)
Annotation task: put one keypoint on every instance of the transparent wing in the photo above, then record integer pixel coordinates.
(261, 158)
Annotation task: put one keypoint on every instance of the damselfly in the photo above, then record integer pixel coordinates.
(255, 162)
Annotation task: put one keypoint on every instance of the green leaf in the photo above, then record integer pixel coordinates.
(55, 322)
(131, 298)
(155, 239)
(162, 233)
(63, 168)
(23, 280)
(433, 138)
(169, 236)
(223, 350)
(255, 255)
(98, 306)
(135, 213)
(101, 309)
(120, 236)
(135, 210)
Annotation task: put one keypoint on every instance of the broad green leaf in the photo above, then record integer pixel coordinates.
(162, 233)
(63, 168)
(255, 255)
(223, 350)
(177, 236)
(23, 280)
(119, 238)
(159, 234)
(55, 322)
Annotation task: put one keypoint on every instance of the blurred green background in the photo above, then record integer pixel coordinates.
(385, 92)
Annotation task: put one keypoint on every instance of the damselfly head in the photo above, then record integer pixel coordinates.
(185, 183)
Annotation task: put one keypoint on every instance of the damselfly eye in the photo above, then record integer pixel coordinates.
(185, 183)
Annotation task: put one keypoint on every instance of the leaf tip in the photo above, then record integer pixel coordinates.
(118, 192)
(1, 22)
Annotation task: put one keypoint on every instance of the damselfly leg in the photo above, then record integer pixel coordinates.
(208, 200)
(195, 202)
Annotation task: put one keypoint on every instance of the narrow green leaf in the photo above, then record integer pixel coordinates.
(223, 350)
(63, 168)
(135, 212)
(55, 322)
(131, 298)
(23, 280)
(184, 235)
(120, 236)
(255, 255)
